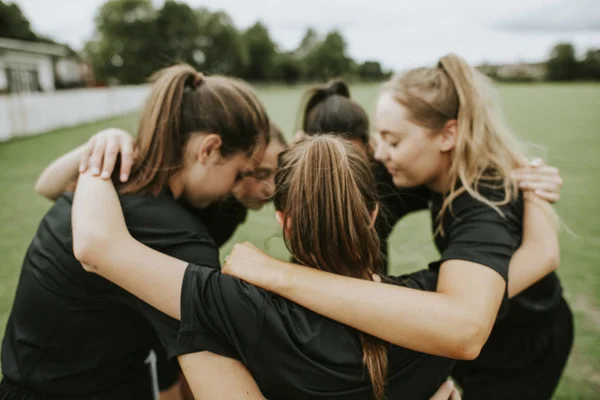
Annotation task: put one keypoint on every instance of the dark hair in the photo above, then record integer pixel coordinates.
(326, 190)
(183, 102)
(328, 108)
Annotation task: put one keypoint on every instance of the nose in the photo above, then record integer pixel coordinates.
(269, 188)
(381, 153)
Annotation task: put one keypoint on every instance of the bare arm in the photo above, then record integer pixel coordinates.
(539, 252)
(99, 154)
(454, 322)
(55, 179)
(211, 376)
(98, 225)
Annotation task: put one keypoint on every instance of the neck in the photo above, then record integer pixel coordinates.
(442, 183)
(176, 185)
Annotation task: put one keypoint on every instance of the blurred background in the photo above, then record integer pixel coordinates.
(69, 68)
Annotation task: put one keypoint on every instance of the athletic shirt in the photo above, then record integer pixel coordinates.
(292, 352)
(222, 219)
(474, 231)
(73, 333)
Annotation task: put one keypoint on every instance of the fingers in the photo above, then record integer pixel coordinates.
(455, 395)
(86, 154)
(551, 197)
(444, 392)
(127, 157)
(537, 185)
(376, 278)
(97, 155)
(110, 157)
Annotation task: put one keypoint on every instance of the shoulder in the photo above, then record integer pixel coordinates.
(161, 212)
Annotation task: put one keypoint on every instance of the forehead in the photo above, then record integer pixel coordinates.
(389, 114)
(271, 154)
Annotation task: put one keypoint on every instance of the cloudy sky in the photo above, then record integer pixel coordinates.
(399, 33)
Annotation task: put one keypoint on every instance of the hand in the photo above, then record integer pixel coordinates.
(101, 151)
(447, 392)
(543, 180)
(254, 266)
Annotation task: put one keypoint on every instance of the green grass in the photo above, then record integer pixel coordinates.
(562, 118)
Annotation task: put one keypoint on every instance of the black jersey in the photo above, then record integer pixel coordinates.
(73, 333)
(292, 352)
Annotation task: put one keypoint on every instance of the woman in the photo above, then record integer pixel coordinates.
(326, 203)
(220, 218)
(329, 109)
(72, 335)
(439, 128)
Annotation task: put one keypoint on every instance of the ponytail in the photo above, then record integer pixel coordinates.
(183, 102)
(326, 191)
(485, 152)
(328, 108)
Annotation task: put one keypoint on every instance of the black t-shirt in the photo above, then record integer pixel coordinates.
(291, 352)
(394, 204)
(222, 219)
(74, 333)
(474, 231)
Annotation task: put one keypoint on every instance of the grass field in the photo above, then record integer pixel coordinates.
(565, 119)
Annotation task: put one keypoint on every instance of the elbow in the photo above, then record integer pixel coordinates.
(41, 190)
(471, 340)
(88, 246)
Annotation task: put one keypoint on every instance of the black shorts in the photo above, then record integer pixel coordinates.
(526, 366)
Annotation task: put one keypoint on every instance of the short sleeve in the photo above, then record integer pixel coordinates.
(480, 234)
(166, 226)
(216, 308)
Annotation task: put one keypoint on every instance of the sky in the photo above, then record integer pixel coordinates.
(398, 33)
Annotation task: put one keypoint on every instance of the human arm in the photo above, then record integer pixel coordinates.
(539, 253)
(98, 153)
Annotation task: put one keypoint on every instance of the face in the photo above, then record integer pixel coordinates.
(413, 155)
(257, 189)
(208, 176)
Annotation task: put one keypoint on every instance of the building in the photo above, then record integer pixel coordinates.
(38, 67)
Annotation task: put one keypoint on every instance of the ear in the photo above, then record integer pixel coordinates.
(209, 149)
(280, 218)
(448, 136)
(374, 215)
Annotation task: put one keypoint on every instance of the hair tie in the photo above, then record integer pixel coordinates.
(198, 79)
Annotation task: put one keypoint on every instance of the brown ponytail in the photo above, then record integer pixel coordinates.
(183, 102)
(326, 184)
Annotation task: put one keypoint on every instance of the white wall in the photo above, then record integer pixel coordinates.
(34, 113)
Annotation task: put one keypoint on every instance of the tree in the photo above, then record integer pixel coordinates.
(288, 68)
(370, 71)
(262, 52)
(13, 24)
(124, 47)
(178, 31)
(220, 44)
(328, 59)
(591, 65)
(562, 65)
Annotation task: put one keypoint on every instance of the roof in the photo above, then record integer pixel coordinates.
(33, 47)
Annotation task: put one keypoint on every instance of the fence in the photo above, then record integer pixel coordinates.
(35, 113)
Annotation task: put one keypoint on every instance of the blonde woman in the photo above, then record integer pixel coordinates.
(439, 127)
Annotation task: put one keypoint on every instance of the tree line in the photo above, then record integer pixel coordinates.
(133, 38)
